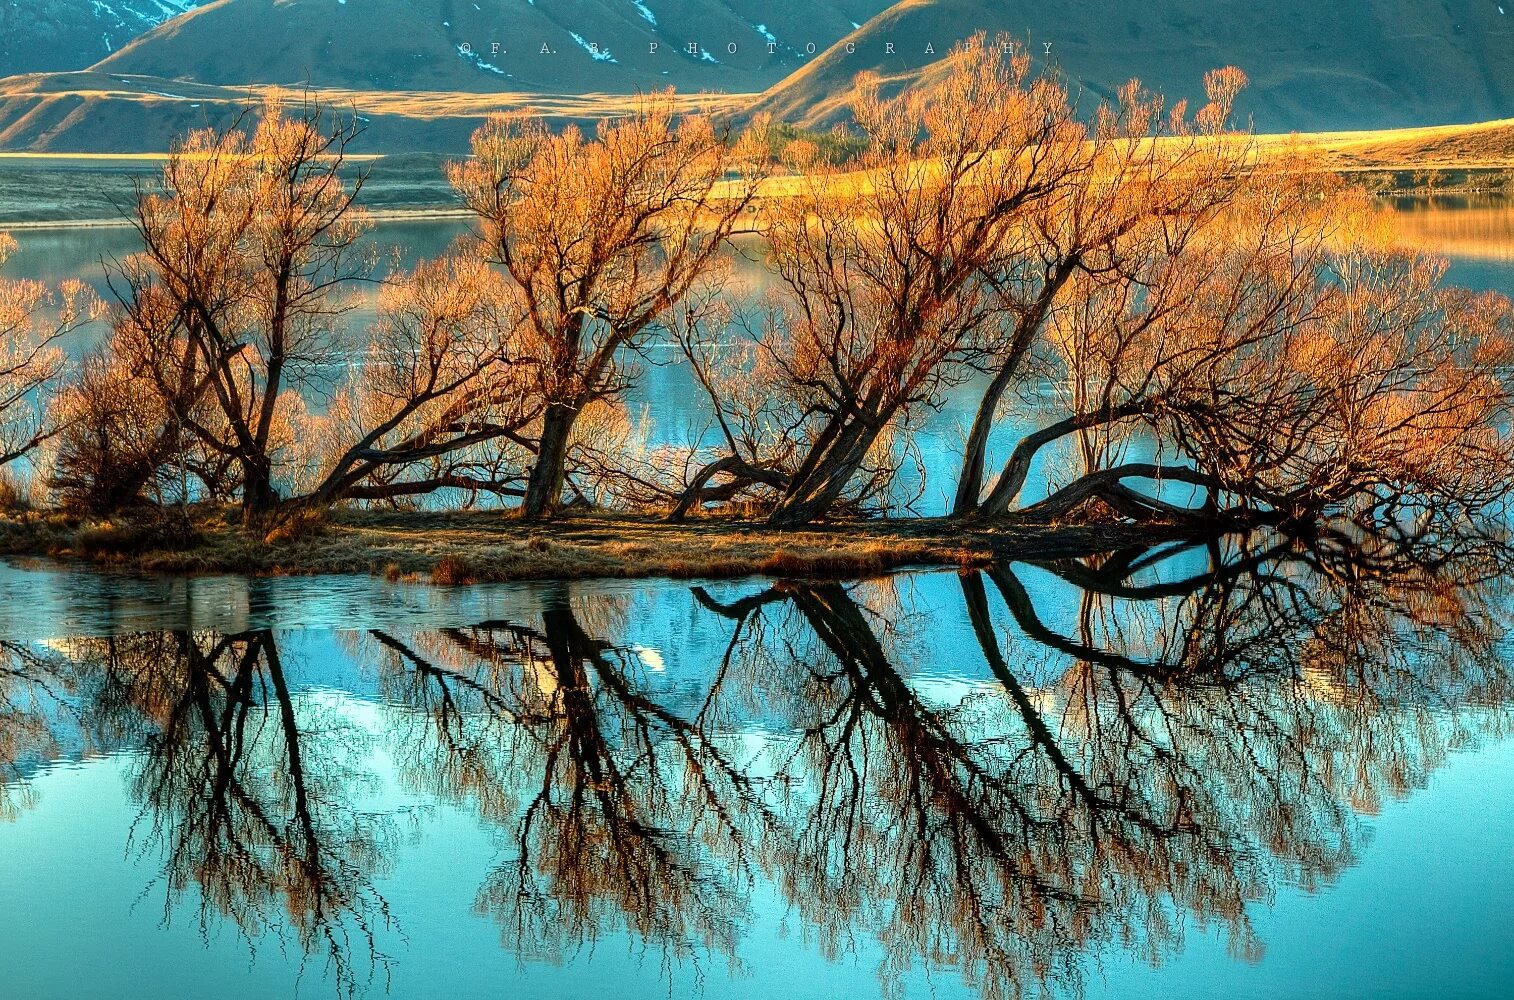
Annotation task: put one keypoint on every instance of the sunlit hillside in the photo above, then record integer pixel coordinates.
(423, 73)
(47, 186)
(98, 112)
(1483, 144)
(1484, 150)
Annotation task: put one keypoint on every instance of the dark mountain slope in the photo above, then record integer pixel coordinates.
(38, 36)
(1343, 64)
(551, 46)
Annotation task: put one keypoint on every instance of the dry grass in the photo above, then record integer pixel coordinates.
(461, 548)
(475, 547)
(120, 117)
(1479, 147)
(419, 104)
(1487, 145)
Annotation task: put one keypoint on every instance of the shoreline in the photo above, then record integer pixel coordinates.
(494, 547)
(433, 214)
(376, 214)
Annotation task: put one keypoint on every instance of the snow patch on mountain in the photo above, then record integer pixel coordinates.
(595, 52)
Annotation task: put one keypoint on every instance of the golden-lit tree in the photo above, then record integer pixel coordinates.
(600, 237)
(1235, 309)
(32, 320)
(884, 263)
(941, 252)
(236, 311)
(441, 382)
(1141, 168)
(1212, 311)
(120, 444)
(1282, 357)
(250, 242)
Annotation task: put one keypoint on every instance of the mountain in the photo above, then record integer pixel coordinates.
(39, 36)
(422, 73)
(550, 46)
(1343, 64)
(89, 112)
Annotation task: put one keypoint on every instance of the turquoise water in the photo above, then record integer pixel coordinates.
(1250, 769)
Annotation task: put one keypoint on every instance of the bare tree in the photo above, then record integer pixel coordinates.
(32, 320)
(118, 442)
(439, 380)
(600, 237)
(1137, 166)
(883, 266)
(249, 243)
(1239, 314)
(1282, 358)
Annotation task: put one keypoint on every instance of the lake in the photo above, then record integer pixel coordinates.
(1239, 770)
(1249, 768)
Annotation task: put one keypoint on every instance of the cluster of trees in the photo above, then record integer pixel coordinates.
(1244, 316)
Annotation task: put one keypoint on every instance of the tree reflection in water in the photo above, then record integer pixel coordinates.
(1206, 724)
(250, 793)
(623, 813)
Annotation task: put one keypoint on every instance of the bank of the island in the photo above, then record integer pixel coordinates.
(493, 546)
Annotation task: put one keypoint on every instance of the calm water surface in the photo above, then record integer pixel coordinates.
(1252, 769)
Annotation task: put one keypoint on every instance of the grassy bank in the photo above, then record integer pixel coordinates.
(456, 548)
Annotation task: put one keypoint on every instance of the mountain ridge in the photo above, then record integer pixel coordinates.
(426, 70)
(1349, 64)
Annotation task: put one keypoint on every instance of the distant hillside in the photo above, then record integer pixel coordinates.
(423, 73)
(552, 46)
(39, 36)
(1481, 145)
(1313, 65)
(96, 112)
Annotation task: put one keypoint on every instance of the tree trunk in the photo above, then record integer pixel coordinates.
(1012, 479)
(970, 479)
(813, 495)
(545, 485)
(258, 496)
(1108, 485)
(742, 474)
(974, 457)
